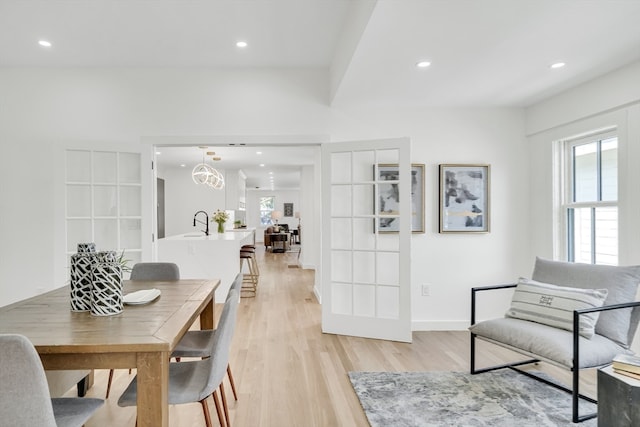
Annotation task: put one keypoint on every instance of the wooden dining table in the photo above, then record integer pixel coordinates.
(142, 336)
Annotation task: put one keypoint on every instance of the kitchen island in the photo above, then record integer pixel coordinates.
(205, 257)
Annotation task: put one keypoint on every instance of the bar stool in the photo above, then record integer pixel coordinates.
(252, 250)
(250, 280)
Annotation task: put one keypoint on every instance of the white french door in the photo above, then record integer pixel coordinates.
(99, 193)
(366, 192)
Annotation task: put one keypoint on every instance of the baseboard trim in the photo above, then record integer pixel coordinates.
(439, 325)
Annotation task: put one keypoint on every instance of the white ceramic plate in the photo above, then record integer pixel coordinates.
(144, 296)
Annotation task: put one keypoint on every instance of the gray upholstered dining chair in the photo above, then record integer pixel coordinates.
(24, 392)
(200, 343)
(195, 381)
(155, 271)
(149, 271)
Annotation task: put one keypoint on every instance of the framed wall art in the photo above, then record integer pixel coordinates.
(389, 198)
(288, 209)
(464, 198)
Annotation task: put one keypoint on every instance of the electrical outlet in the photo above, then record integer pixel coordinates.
(426, 291)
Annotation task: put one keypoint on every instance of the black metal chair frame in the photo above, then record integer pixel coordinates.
(575, 390)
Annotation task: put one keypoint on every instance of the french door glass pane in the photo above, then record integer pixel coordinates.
(78, 200)
(130, 233)
(105, 167)
(341, 234)
(363, 199)
(106, 234)
(585, 172)
(105, 200)
(363, 165)
(130, 201)
(78, 230)
(130, 168)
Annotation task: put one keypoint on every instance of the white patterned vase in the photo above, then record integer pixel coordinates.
(106, 293)
(81, 278)
(86, 247)
(106, 256)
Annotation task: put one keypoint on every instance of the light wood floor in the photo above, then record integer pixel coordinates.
(290, 374)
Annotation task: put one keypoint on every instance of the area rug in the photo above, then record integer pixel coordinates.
(498, 399)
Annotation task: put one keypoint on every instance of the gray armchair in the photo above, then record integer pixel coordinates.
(589, 338)
(24, 393)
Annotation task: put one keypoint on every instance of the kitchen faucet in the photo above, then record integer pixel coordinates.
(206, 221)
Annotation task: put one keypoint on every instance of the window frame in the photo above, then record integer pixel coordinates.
(567, 203)
(260, 211)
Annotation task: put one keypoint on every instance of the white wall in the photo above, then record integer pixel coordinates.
(183, 199)
(610, 92)
(453, 263)
(613, 100)
(282, 197)
(43, 108)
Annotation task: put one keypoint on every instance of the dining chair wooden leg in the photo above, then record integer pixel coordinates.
(218, 409)
(205, 410)
(233, 384)
(223, 397)
(109, 383)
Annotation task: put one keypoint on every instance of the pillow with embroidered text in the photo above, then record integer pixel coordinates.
(554, 305)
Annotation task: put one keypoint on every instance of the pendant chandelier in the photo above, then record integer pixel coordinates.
(205, 174)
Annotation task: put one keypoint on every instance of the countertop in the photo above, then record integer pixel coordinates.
(228, 235)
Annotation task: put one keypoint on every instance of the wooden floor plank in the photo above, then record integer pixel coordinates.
(288, 373)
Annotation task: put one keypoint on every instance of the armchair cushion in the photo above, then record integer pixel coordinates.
(621, 282)
(556, 347)
(554, 305)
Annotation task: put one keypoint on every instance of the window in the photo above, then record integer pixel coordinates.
(266, 207)
(591, 199)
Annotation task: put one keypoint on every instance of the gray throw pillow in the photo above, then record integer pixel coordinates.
(554, 305)
(621, 283)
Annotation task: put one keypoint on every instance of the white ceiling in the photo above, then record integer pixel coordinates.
(483, 52)
(266, 167)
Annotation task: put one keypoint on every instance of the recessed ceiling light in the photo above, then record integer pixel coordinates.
(423, 64)
(557, 65)
(241, 44)
(183, 165)
(158, 152)
(44, 43)
(258, 152)
(261, 165)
